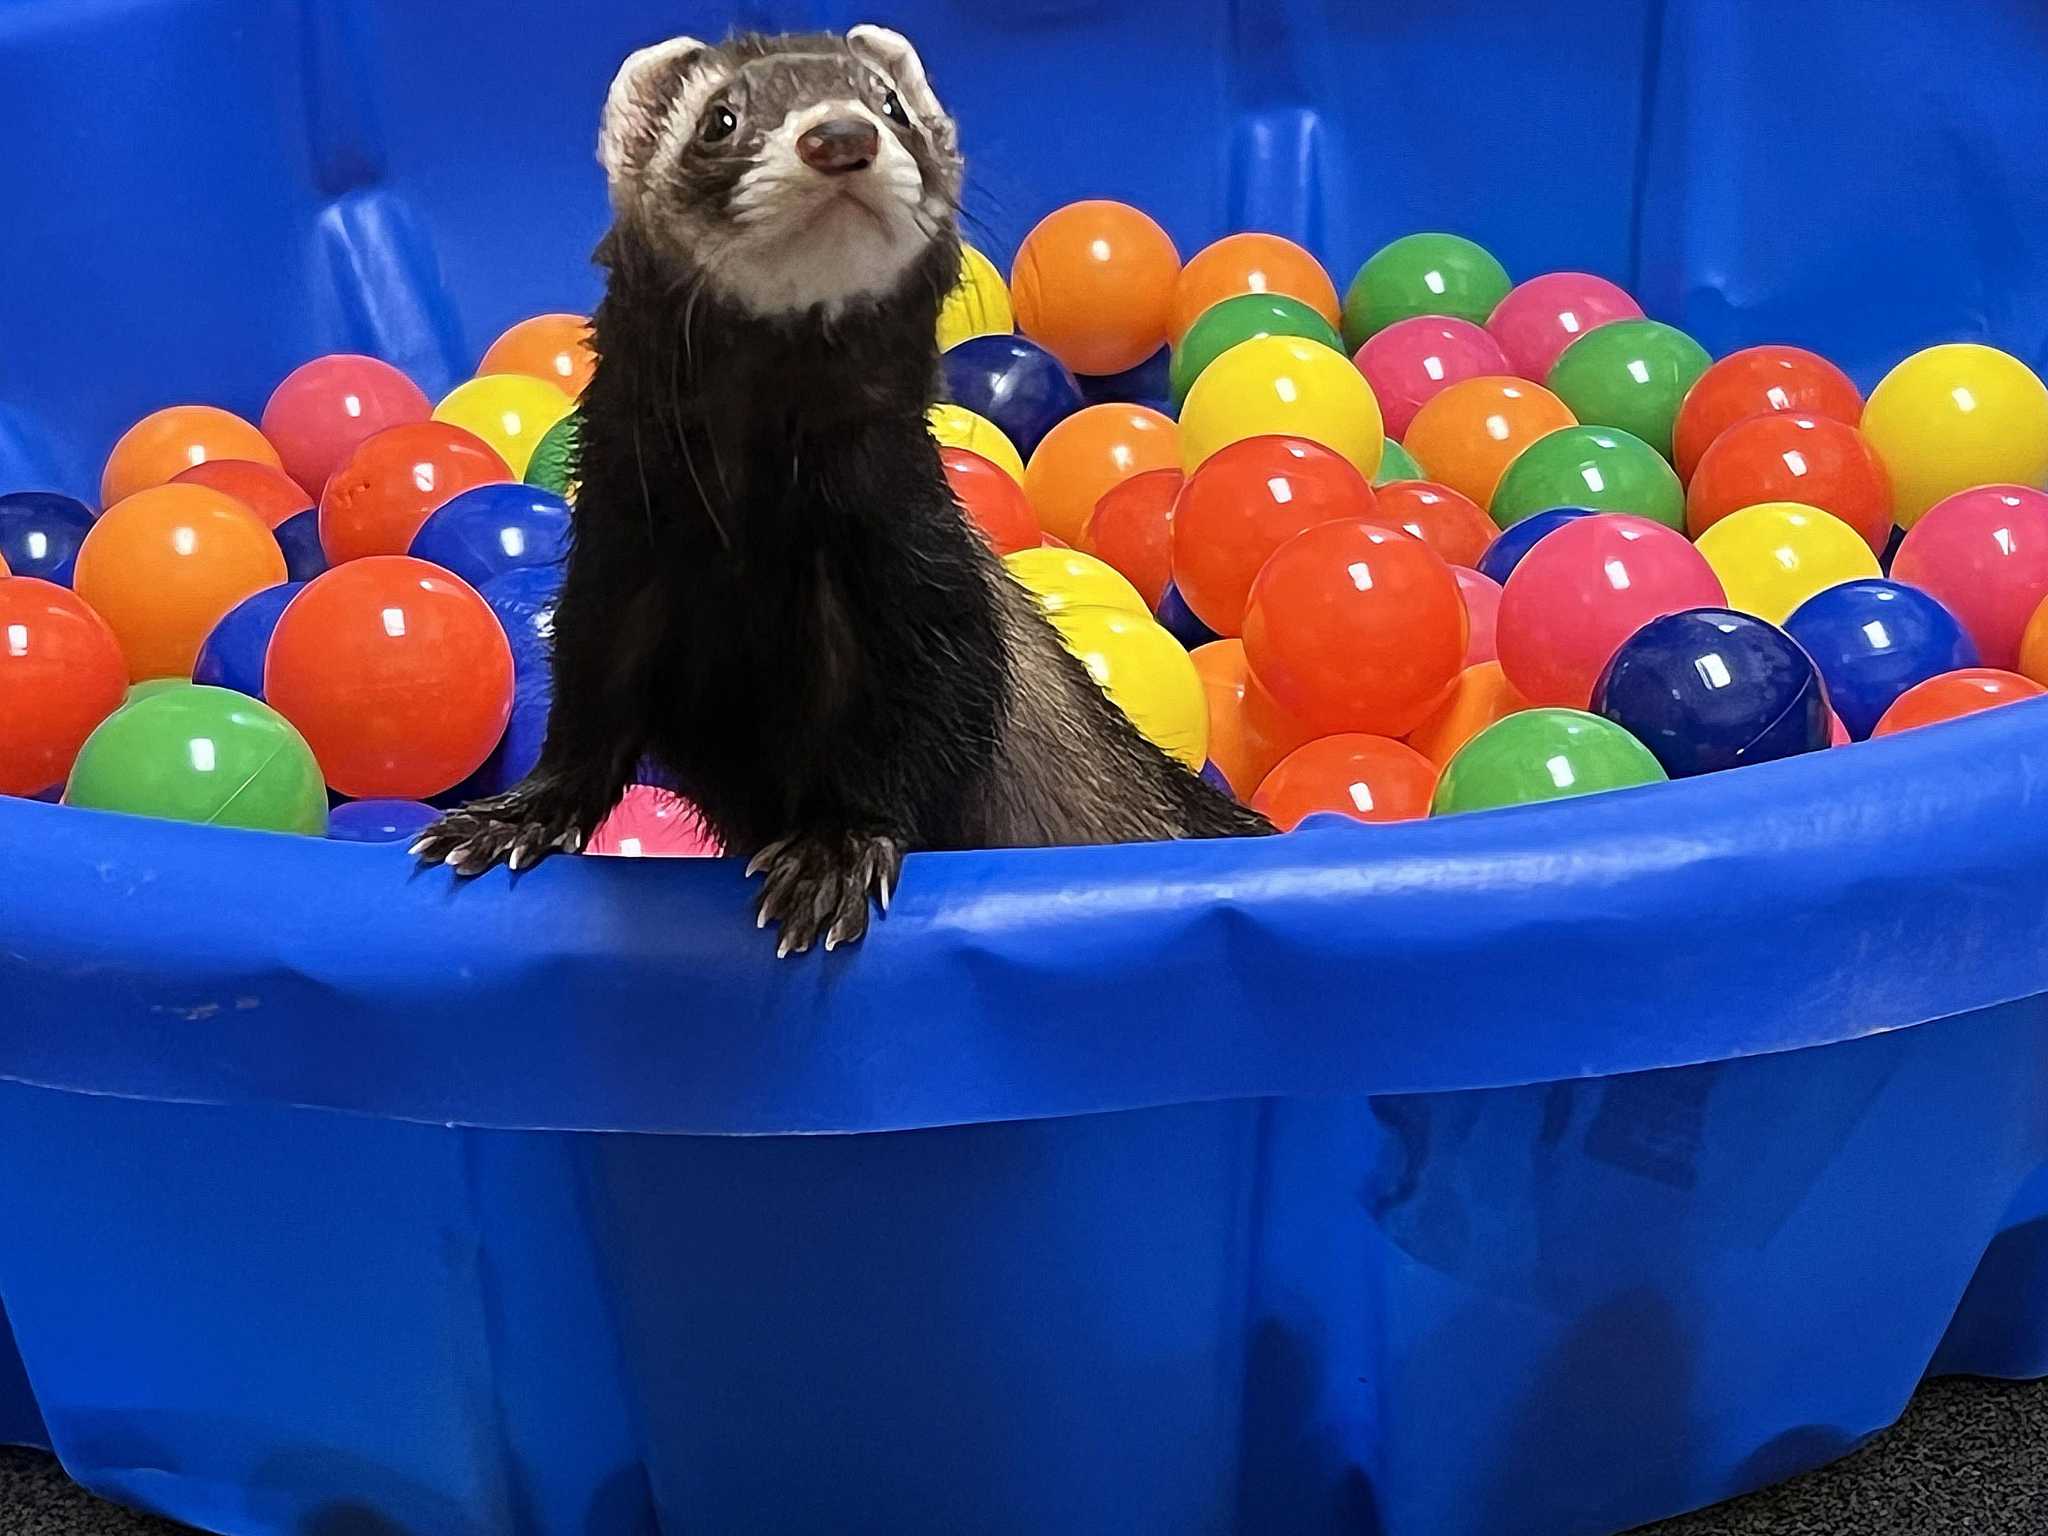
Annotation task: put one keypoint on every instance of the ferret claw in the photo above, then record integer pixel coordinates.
(515, 830)
(819, 887)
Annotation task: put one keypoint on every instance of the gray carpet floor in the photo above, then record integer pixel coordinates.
(1970, 1458)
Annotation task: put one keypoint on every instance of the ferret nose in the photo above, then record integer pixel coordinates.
(840, 145)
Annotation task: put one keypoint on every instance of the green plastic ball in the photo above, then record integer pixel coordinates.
(549, 468)
(1542, 754)
(1599, 467)
(1422, 275)
(1631, 374)
(1243, 317)
(210, 755)
(1397, 463)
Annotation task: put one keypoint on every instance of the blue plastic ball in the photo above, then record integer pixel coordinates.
(1213, 777)
(524, 601)
(1872, 640)
(299, 537)
(40, 532)
(488, 530)
(1015, 383)
(232, 654)
(1149, 384)
(1507, 549)
(1179, 620)
(1710, 688)
(379, 821)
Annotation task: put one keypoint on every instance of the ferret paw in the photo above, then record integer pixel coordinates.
(514, 829)
(820, 884)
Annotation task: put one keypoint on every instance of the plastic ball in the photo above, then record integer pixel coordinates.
(1282, 384)
(1249, 264)
(1412, 361)
(992, 499)
(1481, 596)
(173, 439)
(1396, 463)
(1957, 416)
(1542, 754)
(1181, 621)
(510, 411)
(1478, 696)
(1585, 589)
(1872, 640)
(1604, 468)
(2033, 660)
(552, 464)
(233, 652)
(1354, 627)
(1983, 554)
(1429, 274)
(61, 674)
(488, 530)
(954, 426)
(554, 347)
(1085, 455)
(298, 536)
(1145, 673)
(1131, 529)
(375, 503)
(162, 566)
(979, 304)
(1507, 550)
(524, 602)
(1245, 317)
(1793, 456)
(40, 532)
(379, 821)
(1094, 283)
(270, 493)
(397, 672)
(1774, 556)
(1709, 689)
(1244, 502)
(654, 823)
(1541, 317)
(323, 409)
(1368, 778)
(207, 755)
(1953, 695)
(1631, 374)
(1015, 383)
(1221, 666)
(1468, 436)
(1066, 578)
(1448, 523)
(1754, 380)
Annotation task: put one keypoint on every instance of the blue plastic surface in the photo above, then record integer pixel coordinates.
(1543, 1172)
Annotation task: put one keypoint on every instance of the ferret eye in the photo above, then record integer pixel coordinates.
(892, 108)
(719, 123)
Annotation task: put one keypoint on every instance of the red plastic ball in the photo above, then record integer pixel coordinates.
(993, 500)
(1793, 456)
(1242, 504)
(1983, 554)
(1451, 524)
(61, 674)
(396, 672)
(325, 408)
(1412, 361)
(1758, 379)
(1367, 778)
(1954, 694)
(265, 490)
(394, 481)
(1582, 591)
(1481, 595)
(1131, 529)
(1354, 627)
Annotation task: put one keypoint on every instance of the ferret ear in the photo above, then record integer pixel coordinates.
(891, 51)
(642, 93)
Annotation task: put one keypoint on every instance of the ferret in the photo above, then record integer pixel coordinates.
(771, 589)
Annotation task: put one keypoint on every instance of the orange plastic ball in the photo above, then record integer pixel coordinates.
(2034, 645)
(1793, 456)
(162, 566)
(1220, 665)
(166, 442)
(1131, 529)
(270, 493)
(1481, 695)
(992, 499)
(1468, 435)
(1354, 627)
(61, 674)
(1250, 263)
(1270, 730)
(551, 347)
(394, 481)
(1094, 285)
(1077, 462)
(1954, 694)
(1448, 523)
(1368, 778)
(396, 672)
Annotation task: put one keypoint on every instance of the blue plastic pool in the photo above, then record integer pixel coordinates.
(1540, 1172)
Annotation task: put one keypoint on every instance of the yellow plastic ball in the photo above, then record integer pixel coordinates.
(1145, 673)
(1066, 578)
(1282, 384)
(979, 304)
(1774, 556)
(954, 426)
(1953, 417)
(510, 411)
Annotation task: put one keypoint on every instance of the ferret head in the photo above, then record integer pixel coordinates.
(784, 172)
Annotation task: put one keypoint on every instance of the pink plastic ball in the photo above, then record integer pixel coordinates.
(651, 823)
(1482, 610)
(1410, 362)
(325, 408)
(1984, 554)
(1540, 318)
(1586, 588)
